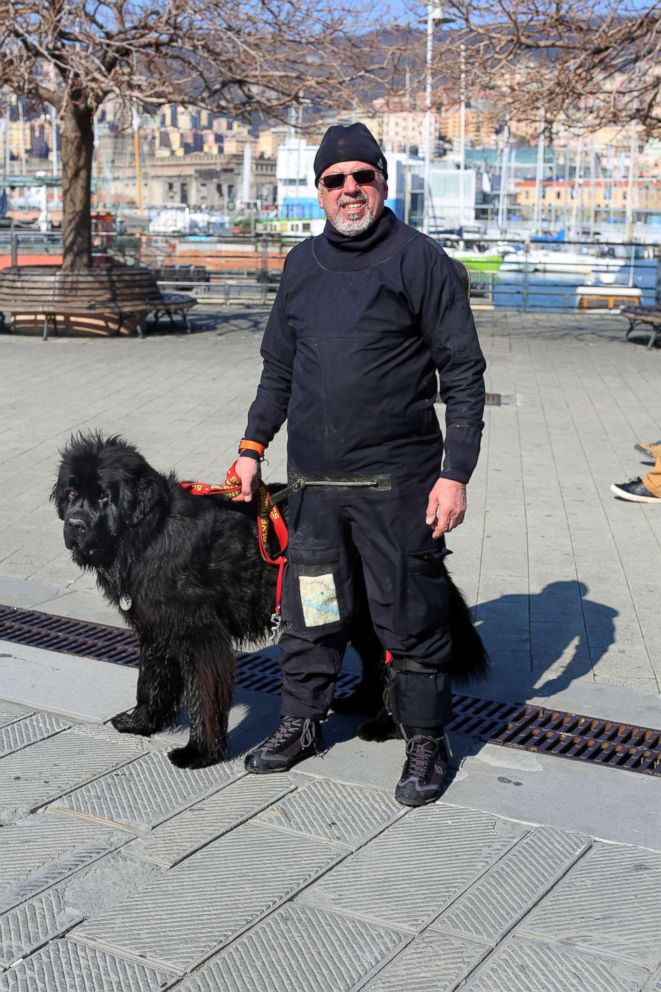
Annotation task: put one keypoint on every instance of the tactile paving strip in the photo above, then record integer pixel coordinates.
(608, 903)
(33, 924)
(531, 966)
(9, 712)
(335, 811)
(211, 897)
(503, 894)
(32, 777)
(146, 792)
(67, 967)
(433, 961)
(298, 948)
(43, 849)
(29, 730)
(416, 867)
(199, 825)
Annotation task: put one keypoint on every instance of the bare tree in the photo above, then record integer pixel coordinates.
(586, 62)
(239, 57)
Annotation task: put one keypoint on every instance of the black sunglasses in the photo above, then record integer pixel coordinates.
(337, 179)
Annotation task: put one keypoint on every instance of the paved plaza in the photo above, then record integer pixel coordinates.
(119, 872)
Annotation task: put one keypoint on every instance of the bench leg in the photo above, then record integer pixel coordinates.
(139, 328)
(184, 314)
(653, 338)
(44, 336)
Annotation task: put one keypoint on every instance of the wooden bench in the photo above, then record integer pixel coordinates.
(126, 292)
(641, 316)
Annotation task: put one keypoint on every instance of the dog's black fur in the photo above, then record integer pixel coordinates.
(197, 586)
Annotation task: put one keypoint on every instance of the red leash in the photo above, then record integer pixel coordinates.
(267, 515)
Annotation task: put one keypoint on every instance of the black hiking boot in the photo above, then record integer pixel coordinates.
(292, 740)
(425, 768)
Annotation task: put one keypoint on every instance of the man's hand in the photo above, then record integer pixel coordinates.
(248, 471)
(446, 506)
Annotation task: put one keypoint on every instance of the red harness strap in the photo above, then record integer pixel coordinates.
(267, 515)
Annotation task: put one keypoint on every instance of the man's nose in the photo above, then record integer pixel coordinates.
(351, 186)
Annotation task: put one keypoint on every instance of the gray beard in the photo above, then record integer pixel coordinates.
(351, 228)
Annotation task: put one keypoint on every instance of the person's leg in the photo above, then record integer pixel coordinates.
(408, 598)
(646, 489)
(317, 607)
(652, 481)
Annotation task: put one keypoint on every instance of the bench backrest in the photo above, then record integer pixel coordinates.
(50, 287)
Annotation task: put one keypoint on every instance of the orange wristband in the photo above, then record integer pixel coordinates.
(246, 445)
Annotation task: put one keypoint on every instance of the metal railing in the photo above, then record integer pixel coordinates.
(561, 276)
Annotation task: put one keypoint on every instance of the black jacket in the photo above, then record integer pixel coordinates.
(358, 331)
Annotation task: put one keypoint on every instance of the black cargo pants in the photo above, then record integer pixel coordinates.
(331, 530)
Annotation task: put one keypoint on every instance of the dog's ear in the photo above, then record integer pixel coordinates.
(141, 494)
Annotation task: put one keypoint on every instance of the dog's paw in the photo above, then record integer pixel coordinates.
(132, 723)
(381, 728)
(191, 757)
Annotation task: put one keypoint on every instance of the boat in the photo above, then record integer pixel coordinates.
(545, 261)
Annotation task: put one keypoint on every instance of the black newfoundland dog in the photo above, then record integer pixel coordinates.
(186, 573)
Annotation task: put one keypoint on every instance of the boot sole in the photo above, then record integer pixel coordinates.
(632, 498)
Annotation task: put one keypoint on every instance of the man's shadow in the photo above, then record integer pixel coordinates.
(559, 633)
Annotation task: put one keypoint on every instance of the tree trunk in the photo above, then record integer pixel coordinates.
(77, 158)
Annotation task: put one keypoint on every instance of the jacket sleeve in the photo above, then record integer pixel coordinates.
(268, 412)
(447, 325)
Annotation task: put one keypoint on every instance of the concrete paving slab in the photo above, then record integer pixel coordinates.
(30, 729)
(433, 962)
(33, 924)
(44, 680)
(333, 811)
(500, 897)
(299, 947)
(11, 712)
(211, 897)
(67, 967)
(48, 769)
(607, 903)
(204, 822)
(145, 792)
(399, 878)
(522, 965)
(43, 849)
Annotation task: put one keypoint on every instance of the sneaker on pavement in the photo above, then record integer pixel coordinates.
(424, 771)
(635, 492)
(292, 740)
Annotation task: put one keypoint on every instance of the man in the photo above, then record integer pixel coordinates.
(365, 316)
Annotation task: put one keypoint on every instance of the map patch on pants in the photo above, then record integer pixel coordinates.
(319, 599)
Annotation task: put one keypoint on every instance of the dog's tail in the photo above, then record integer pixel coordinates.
(470, 660)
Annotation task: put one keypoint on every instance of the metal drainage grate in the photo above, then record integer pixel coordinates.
(120, 646)
(519, 725)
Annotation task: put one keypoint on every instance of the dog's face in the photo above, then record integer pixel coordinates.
(104, 487)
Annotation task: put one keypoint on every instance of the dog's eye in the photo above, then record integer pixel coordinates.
(103, 499)
(71, 493)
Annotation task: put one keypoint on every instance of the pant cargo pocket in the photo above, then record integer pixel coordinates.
(318, 589)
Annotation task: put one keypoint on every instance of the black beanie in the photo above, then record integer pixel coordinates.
(348, 143)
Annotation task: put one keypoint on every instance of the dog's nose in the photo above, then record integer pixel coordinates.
(75, 523)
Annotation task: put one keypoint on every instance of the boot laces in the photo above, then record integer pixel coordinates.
(290, 725)
(420, 755)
